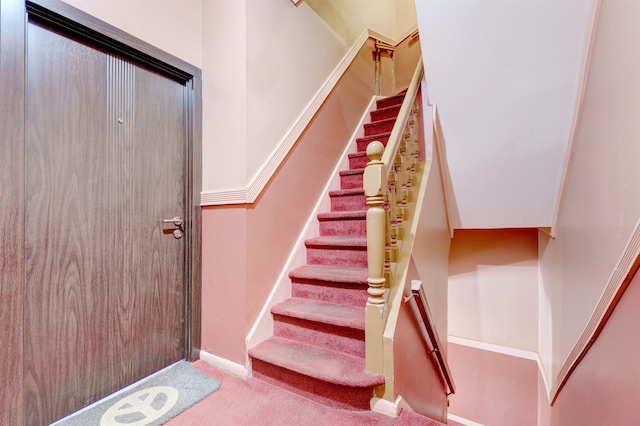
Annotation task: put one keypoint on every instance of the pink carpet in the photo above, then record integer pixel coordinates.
(318, 348)
(253, 402)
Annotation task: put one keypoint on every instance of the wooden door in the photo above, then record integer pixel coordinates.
(104, 275)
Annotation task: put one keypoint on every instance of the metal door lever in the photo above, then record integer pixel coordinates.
(177, 221)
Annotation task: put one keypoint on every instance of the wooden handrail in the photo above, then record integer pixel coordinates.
(388, 185)
(403, 117)
(430, 332)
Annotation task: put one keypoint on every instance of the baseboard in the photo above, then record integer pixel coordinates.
(224, 364)
(462, 420)
(388, 408)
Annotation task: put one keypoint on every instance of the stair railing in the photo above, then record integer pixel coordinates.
(388, 185)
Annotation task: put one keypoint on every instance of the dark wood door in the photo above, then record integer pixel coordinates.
(104, 276)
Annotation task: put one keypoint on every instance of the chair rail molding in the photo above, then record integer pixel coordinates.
(619, 280)
(259, 181)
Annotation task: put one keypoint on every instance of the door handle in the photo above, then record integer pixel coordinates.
(177, 221)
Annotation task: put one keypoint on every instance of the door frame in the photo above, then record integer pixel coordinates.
(72, 21)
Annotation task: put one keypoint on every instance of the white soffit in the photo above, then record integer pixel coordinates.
(505, 75)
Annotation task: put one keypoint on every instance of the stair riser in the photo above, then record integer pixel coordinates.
(359, 162)
(355, 258)
(343, 228)
(345, 203)
(389, 102)
(314, 389)
(378, 127)
(362, 145)
(351, 181)
(339, 294)
(383, 114)
(340, 339)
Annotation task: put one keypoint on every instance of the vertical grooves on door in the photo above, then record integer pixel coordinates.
(120, 136)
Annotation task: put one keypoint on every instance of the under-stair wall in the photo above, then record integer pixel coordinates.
(416, 374)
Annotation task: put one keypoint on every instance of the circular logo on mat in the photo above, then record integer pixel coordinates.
(141, 408)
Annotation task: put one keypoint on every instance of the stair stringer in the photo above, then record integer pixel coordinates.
(263, 326)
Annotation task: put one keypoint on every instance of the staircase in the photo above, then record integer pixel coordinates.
(318, 348)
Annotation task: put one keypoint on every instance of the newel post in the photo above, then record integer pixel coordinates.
(374, 189)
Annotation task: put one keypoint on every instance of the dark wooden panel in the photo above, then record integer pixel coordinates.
(107, 147)
(68, 227)
(11, 210)
(146, 132)
(193, 289)
(120, 123)
(159, 194)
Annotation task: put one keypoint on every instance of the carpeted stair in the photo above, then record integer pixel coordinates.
(318, 348)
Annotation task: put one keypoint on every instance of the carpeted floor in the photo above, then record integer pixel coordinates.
(253, 402)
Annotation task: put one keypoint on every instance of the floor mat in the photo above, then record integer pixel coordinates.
(150, 402)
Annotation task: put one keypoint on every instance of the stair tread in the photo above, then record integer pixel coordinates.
(343, 215)
(314, 361)
(388, 108)
(349, 172)
(357, 154)
(333, 274)
(390, 99)
(373, 137)
(382, 121)
(337, 242)
(346, 192)
(322, 312)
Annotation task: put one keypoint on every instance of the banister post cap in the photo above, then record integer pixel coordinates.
(375, 150)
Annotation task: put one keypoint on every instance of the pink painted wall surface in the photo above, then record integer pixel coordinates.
(431, 250)
(245, 247)
(493, 388)
(605, 387)
(493, 287)
(416, 373)
(149, 21)
(417, 377)
(224, 289)
(406, 57)
(601, 202)
(275, 220)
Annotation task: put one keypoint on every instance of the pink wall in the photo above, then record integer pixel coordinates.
(276, 219)
(493, 388)
(601, 202)
(605, 387)
(245, 247)
(224, 290)
(493, 287)
(416, 373)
